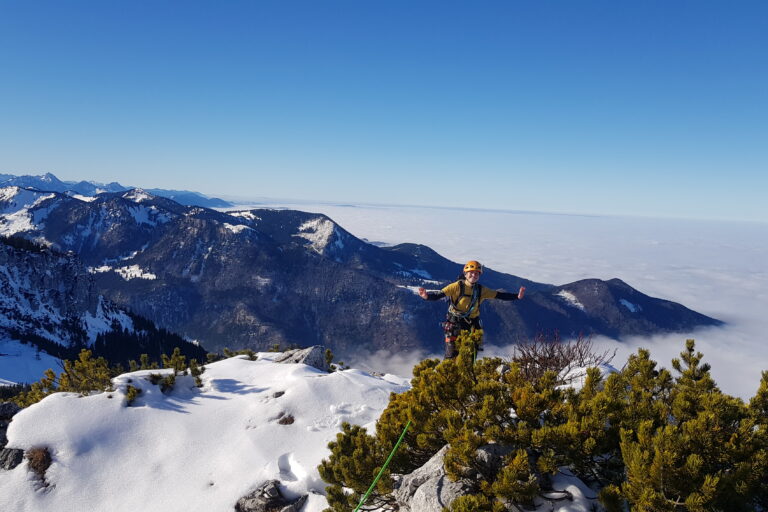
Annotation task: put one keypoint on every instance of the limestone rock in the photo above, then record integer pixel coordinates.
(10, 458)
(428, 488)
(268, 498)
(311, 356)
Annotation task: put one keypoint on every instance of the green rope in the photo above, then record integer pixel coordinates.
(381, 472)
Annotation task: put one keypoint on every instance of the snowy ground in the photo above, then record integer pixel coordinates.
(716, 268)
(23, 363)
(200, 449)
(193, 449)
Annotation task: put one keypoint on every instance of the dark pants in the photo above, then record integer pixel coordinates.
(453, 326)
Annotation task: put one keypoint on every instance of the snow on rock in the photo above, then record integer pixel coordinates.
(193, 449)
(87, 199)
(318, 232)
(570, 299)
(15, 206)
(148, 215)
(248, 215)
(575, 377)
(633, 308)
(137, 195)
(103, 319)
(134, 272)
(127, 273)
(236, 228)
(261, 282)
(17, 222)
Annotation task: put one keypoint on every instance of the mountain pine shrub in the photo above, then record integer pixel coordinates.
(651, 440)
(167, 383)
(252, 356)
(460, 402)
(84, 375)
(196, 371)
(176, 361)
(131, 394)
(695, 449)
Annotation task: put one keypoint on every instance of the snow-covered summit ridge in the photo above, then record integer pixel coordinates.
(319, 233)
(193, 449)
(138, 195)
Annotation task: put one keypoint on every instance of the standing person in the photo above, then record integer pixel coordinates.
(466, 295)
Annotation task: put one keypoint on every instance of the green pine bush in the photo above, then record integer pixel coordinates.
(648, 439)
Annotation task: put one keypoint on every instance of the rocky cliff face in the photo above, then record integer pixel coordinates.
(46, 294)
(50, 300)
(259, 277)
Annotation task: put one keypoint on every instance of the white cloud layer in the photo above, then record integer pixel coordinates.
(716, 268)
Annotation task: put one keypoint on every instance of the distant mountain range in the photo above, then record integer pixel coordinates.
(259, 277)
(50, 183)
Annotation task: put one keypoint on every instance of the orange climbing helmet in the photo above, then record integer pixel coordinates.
(473, 265)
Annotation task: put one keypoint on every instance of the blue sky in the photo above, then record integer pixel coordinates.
(654, 108)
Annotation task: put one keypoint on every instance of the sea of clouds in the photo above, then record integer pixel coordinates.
(717, 268)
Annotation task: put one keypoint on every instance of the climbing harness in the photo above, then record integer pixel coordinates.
(474, 301)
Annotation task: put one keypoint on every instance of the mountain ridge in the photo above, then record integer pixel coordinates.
(48, 300)
(48, 182)
(254, 278)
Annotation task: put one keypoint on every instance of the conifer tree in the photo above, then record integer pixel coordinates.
(699, 457)
(86, 374)
(176, 361)
(196, 371)
(38, 390)
(83, 376)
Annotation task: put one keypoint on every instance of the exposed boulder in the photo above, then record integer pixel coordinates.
(491, 457)
(10, 458)
(268, 498)
(7, 410)
(311, 356)
(428, 488)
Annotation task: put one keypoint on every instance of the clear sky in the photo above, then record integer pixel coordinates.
(653, 108)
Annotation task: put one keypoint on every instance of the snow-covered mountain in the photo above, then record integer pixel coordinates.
(49, 306)
(50, 183)
(259, 277)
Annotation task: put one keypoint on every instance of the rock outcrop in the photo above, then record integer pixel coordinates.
(311, 356)
(428, 488)
(10, 458)
(7, 410)
(268, 498)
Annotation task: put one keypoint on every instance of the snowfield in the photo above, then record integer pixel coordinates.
(194, 449)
